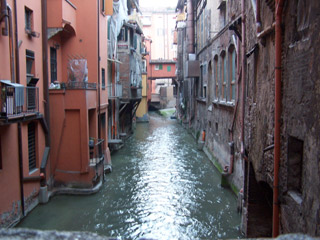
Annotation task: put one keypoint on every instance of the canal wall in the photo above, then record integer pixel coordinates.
(22, 234)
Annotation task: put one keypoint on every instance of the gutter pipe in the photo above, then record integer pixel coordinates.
(277, 118)
(99, 120)
(19, 123)
(43, 179)
(243, 83)
(190, 29)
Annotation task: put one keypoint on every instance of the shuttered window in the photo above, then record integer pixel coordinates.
(32, 146)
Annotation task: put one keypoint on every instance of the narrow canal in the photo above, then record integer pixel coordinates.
(161, 187)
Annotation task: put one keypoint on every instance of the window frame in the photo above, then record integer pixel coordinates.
(216, 76)
(53, 65)
(103, 78)
(28, 19)
(32, 163)
(232, 55)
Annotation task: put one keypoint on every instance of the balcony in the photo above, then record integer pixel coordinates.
(114, 91)
(18, 101)
(80, 85)
(96, 151)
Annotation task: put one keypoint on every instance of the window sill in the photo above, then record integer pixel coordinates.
(295, 196)
(223, 103)
(202, 100)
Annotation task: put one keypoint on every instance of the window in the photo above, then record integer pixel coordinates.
(223, 77)
(123, 35)
(30, 65)
(32, 146)
(232, 73)
(216, 91)
(53, 64)
(135, 41)
(28, 19)
(109, 29)
(144, 65)
(168, 68)
(295, 160)
(103, 78)
(158, 67)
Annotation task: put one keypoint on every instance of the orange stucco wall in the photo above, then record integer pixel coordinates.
(9, 174)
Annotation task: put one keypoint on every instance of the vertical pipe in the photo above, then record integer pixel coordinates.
(243, 87)
(99, 120)
(190, 29)
(16, 43)
(21, 169)
(45, 68)
(258, 17)
(277, 118)
(11, 44)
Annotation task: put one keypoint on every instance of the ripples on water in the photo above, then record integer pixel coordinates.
(161, 187)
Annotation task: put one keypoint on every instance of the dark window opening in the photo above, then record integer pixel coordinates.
(28, 19)
(295, 159)
(53, 64)
(103, 6)
(103, 77)
(30, 65)
(123, 35)
(32, 146)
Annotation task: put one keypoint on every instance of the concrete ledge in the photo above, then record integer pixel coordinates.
(20, 234)
(76, 191)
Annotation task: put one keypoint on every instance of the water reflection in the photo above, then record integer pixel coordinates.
(161, 188)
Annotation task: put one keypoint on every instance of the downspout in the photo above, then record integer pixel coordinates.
(258, 17)
(99, 121)
(277, 118)
(43, 181)
(19, 123)
(190, 29)
(243, 77)
(11, 43)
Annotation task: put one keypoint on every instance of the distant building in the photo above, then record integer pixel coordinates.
(125, 70)
(158, 26)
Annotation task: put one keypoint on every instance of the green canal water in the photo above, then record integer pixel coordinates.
(161, 187)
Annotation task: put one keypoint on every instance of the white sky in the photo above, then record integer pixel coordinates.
(158, 3)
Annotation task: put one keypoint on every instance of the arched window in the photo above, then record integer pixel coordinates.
(223, 76)
(210, 81)
(232, 72)
(216, 74)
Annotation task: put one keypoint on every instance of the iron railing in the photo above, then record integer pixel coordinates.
(80, 85)
(96, 151)
(114, 90)
(18, 100)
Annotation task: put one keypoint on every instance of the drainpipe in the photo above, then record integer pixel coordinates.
(99, 121)
(11, 43)
(190, 29)
(258, 17)
(244, 62)
(19, 123)
(277, 118)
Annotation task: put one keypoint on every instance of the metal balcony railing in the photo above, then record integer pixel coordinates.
(80, 85)
(18, 100)
(114, 90)
(96, 151)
